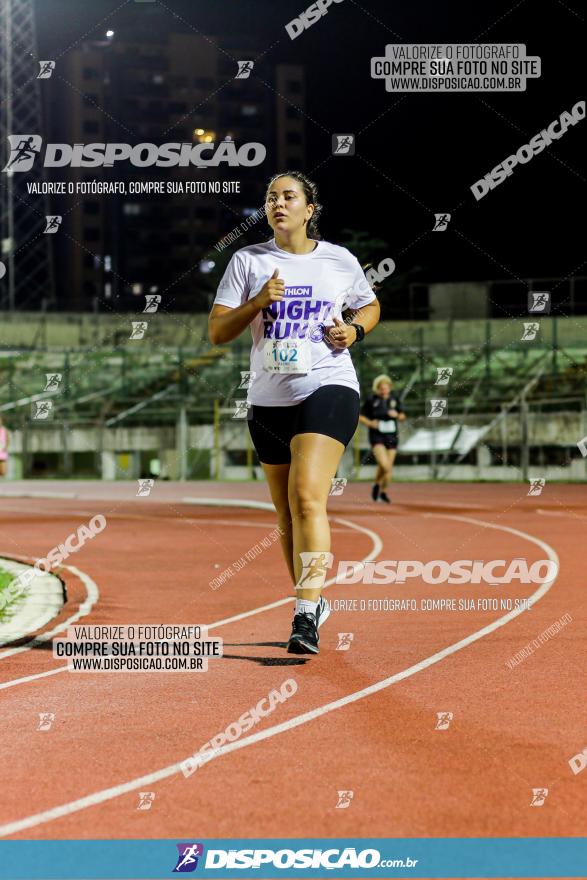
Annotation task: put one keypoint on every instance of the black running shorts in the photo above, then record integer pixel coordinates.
(332, 410)
(390, 441)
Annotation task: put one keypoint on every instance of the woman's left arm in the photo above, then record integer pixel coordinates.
(342, 335)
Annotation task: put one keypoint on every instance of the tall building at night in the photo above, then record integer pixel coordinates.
(176, 87)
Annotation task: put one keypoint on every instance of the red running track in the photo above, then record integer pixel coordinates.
(117, 734)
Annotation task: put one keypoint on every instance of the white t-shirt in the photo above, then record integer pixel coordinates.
(318, 286)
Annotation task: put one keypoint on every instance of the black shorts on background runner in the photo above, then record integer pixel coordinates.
(332, 410)
(390, 441)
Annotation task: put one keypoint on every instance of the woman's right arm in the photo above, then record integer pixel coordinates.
(225, 323)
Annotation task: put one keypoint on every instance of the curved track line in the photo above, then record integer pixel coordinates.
(107, 794)
(92, 596)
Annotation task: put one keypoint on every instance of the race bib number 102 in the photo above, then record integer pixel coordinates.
(286, 356)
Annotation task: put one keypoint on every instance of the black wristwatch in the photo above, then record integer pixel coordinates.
(360, 332)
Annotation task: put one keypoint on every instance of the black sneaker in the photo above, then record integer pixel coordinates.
(375, 491)
(383, 496)
(323, 612)
(304, 635)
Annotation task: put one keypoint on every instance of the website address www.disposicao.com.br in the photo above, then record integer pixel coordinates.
(328, 859)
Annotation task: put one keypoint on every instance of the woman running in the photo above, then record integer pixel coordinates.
(304, 393)
(3, 449)
(381, 412)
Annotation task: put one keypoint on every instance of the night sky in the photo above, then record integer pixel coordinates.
(416, 153)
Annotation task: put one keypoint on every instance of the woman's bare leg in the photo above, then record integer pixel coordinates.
(277, 476)
(380, 453)
(314, 462)
(391, 454)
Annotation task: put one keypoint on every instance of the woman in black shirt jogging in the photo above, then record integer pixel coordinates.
(380, 413)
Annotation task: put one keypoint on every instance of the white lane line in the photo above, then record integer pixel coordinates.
(34, 677)
(92, 596)
(115, 791)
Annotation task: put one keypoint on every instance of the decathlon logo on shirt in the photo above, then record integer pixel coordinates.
(306, 290)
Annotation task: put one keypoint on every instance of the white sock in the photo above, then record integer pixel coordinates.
(304, 606)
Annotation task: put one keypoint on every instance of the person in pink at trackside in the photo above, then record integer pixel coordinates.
(3, 449)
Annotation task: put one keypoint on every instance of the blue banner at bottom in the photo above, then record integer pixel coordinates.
(360, 857)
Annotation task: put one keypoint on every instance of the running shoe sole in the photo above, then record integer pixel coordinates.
(300, 646)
